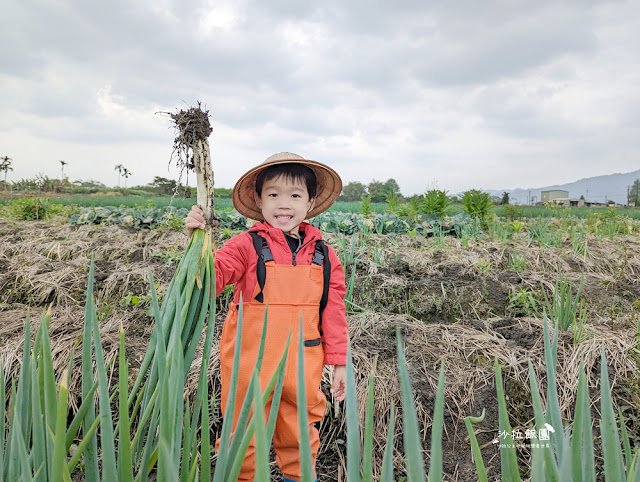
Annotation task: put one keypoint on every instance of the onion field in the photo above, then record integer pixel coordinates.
(529, 324)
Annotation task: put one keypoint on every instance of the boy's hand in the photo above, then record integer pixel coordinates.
(339, 386)
(195, 220)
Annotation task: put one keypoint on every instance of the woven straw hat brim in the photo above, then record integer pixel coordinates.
(329, 185)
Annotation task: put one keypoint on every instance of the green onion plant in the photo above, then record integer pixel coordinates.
(563, 308)
(568, 454)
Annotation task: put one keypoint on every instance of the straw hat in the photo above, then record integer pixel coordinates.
(329, 185)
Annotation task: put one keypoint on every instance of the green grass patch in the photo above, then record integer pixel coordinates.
(356, 207)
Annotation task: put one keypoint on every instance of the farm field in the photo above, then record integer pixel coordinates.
(464, 300)
(84, 200)
(77, 201)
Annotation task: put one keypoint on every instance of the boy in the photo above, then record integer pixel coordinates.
(281, 261)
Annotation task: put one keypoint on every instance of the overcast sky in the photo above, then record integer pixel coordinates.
(454, 95)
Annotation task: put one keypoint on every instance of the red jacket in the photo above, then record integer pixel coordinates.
(236, 264)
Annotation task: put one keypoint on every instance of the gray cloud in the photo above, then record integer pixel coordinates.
(443, 87)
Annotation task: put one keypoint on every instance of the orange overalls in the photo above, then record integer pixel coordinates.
(289, 291)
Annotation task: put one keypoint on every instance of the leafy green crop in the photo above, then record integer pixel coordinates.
(329, 221)
(149, 217)
(425, 225)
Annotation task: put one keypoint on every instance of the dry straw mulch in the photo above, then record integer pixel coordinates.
(418, 288)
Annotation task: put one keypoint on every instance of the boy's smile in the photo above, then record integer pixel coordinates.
(284, 203)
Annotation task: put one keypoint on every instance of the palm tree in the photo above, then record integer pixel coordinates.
(5, 166)
(126, 173)
(62, 163)
(120, 168)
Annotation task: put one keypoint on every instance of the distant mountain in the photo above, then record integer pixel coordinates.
(595, 189)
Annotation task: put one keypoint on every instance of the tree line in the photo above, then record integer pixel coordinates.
(375, 191)
(389, 192)
(633, 195)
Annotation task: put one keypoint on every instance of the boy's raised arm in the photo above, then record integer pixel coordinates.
(231, 261)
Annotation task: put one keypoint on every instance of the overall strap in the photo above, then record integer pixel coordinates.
(264, 254)
(321, 257)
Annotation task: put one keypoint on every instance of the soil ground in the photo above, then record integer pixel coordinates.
(452, 304)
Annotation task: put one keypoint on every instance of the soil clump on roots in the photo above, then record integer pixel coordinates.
(192, 126)
(451, 303)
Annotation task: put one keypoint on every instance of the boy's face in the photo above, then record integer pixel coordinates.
(284, 203)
